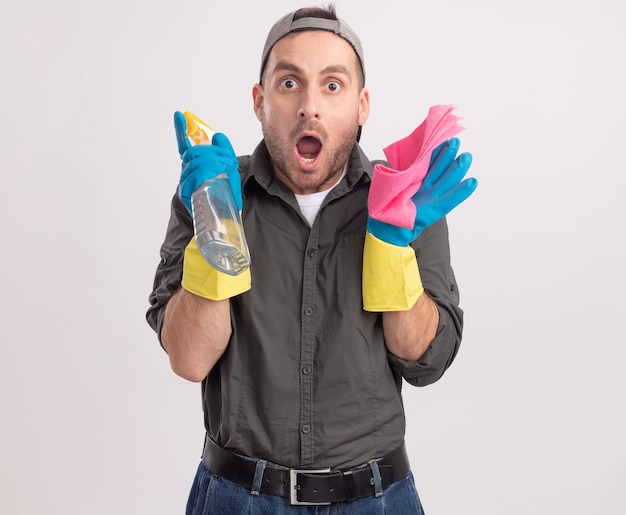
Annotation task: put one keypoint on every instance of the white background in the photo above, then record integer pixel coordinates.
(529, 419)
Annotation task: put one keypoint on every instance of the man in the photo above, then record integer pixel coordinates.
(302, 356)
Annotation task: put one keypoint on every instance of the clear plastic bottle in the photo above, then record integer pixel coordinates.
(216, 220)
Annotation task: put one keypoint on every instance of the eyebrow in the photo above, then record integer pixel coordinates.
(287, 66)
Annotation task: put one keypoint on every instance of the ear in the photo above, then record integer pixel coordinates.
(364, 106)
(258, 96)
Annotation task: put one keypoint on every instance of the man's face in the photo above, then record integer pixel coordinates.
(310, 106)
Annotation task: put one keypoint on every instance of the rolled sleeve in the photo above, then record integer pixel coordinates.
(169, 271)
(433, 256)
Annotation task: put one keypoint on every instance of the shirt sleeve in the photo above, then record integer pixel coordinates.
(432, 249)
(169, 271)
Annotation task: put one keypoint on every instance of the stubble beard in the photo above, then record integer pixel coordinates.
(281, 150)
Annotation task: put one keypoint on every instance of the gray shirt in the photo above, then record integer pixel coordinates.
(306, 380)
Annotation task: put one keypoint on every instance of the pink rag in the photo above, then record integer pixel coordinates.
(392, 187)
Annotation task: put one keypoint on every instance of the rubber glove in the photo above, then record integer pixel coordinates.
(409, 159)
(199, 164)
(391, 279)
(203, 162)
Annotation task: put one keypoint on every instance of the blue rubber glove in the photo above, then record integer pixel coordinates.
(441, 191)
(203, 162)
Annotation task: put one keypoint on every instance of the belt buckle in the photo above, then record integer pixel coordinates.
(293, 490)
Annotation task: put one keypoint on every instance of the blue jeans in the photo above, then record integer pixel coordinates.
(212, 495)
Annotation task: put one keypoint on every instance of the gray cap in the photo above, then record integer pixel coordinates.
(287, 25)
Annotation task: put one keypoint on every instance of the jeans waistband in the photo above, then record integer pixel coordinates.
(306, 486)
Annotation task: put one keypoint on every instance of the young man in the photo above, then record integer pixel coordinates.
(302, 356)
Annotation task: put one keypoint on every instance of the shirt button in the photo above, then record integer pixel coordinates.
(306, 371)
(308, 311)
(306, 429)
(311, 252)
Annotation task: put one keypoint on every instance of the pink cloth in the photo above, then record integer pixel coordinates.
(392, 187)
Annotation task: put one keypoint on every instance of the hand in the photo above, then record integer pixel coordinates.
(440, 192)
(203, 162)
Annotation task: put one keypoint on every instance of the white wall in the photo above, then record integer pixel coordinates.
(530, 418)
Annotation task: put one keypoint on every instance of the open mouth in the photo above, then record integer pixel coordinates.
(309, 148)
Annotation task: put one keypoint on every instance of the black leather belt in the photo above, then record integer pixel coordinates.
(304, 486)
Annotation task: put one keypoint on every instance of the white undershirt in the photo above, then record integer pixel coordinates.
(310, 204)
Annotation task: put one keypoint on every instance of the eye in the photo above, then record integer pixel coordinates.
(333, 86)
(288, 84)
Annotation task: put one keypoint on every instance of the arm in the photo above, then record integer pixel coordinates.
(422, 321)
(195, 333)
(193, 329)
(190, 306)
(432, 251)
(408, 334)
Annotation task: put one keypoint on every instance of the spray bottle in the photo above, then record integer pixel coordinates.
(216, 220)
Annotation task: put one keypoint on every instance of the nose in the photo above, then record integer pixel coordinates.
(309, 105)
